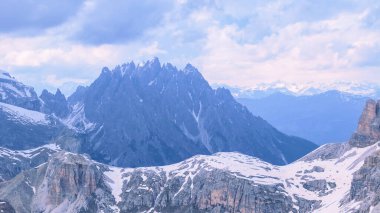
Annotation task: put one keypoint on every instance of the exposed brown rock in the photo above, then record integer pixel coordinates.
(368, 131)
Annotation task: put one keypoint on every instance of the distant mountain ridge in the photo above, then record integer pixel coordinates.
(263, 90)
(327, 117)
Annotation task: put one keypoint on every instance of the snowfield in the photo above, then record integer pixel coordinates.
(22, 115)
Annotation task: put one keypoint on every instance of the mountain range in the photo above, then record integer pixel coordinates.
(322, 118)
(261, 90)
(153, 138)
(341, 177)
(141, 115)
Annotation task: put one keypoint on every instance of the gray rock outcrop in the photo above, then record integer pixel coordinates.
(207, 191)
(365, 186)
(67, 183)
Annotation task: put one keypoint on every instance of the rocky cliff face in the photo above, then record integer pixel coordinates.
(205, 191)
(67, 183)
(368, 131)
(365, 187)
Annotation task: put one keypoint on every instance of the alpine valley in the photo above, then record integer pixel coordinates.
(153, 138)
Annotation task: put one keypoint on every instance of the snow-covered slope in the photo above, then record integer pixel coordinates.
(23, 115)
(325, 183)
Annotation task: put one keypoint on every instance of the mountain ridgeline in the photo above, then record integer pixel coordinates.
(148, 115)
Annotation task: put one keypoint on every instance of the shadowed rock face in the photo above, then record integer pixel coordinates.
(368, 131)
(5, 207)
(54, 104)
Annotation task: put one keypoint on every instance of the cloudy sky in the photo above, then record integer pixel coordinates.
(55, 43)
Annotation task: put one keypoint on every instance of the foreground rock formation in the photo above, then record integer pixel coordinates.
(223, 182)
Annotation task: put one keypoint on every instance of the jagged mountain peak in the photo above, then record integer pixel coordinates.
(153, 114)
(151, 66)
(153, 63)
(190, 68)
(57, 93)
(54, 103)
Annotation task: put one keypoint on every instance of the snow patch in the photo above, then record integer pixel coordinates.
(24, 115)
(116, 182)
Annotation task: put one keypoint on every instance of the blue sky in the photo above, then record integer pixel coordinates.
(54, 43)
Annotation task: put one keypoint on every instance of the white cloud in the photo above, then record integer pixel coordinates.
(58, 82)
(151, 50)
(323, 51)
(239, 42)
